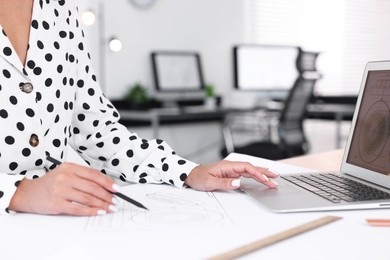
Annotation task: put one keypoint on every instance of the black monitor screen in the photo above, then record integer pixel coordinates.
(265, 67)
(177, 71)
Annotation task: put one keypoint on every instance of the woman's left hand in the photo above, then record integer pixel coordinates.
(224, 175)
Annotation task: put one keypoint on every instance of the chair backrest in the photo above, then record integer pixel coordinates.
(307, 61)
(290, 129)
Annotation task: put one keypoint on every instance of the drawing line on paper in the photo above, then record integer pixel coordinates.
(167, 210)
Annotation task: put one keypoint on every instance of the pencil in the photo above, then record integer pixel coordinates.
(379, 222)
(120, 195)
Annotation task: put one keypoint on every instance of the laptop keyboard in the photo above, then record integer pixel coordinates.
(337, 188)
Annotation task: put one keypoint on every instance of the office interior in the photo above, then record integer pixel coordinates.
(122, 34)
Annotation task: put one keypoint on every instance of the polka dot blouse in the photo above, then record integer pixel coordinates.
(55, 101)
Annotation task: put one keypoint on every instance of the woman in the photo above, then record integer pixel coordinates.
(49, 99)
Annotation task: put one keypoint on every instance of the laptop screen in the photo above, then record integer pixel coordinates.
(369, 147)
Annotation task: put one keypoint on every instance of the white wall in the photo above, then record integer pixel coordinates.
(211, 27)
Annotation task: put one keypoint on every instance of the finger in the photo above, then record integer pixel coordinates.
(94, 189)
(216, 183)
(248, 170)
(75, 209)
(95, 176)
(88, 200)
(258, 173)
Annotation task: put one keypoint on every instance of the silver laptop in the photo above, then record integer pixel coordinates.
(364, 178)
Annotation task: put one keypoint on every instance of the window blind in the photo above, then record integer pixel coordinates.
(348, 33)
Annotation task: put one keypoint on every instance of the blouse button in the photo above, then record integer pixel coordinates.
(34, 140)
(27, 87)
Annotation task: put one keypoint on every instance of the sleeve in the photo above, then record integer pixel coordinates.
(107, 145)
(8, 185)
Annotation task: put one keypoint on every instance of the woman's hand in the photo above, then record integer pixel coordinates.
(224, 175)
(69, 189)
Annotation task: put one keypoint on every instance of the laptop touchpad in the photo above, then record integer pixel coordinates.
(255, 188)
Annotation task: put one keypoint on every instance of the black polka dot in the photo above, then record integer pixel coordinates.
(7, 51)
(9, 140)
(48, 82)
(3, 113)
(13, 166)
(165, 167)
(63, 34)
(40, 44)
(50, 108)
(91, 91)
(56, 143)
(37, 71)
(1, 194)
(143, 175)
(116, 140)
(13, 100)
(172, 182)
(45, 25)
(6, 73)
(20, 126)
(130, 153)
(31, 64)
(142, 180)
(86, 106)
(30, 112)
(81, 117)
(183, 177)
(48, 57)
(144, 146)
(115, 162)
(135, 168)
(82, 148)
(181, 162)
(38, 162)
(26, 152)
(34, 24)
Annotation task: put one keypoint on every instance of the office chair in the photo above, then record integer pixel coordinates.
(307, 61)
(291, 140)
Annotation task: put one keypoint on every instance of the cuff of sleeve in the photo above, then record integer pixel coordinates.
(8, 186)
(7, 190)
(181, 168)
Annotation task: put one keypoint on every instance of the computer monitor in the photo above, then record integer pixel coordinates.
(265, 67)
(178, 76)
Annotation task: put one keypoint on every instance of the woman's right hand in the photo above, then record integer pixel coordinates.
(69, 189)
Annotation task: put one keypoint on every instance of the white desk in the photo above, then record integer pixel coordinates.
(50, 237)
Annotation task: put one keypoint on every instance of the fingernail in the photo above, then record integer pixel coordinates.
(11, 212)
(236, 183)
(274, 182)
(116, 187)
(113, 208)
(101, 212)
(115, 201)
(265, 177)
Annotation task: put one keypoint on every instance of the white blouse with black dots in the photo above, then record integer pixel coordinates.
(55, 101)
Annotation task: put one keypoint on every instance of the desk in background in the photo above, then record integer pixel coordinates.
(158, 116)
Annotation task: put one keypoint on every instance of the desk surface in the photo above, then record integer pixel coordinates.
(326, 161)
(25, 236)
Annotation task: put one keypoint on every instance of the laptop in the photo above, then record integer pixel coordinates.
(364, 178)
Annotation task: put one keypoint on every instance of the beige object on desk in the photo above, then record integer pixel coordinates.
(326, 161)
